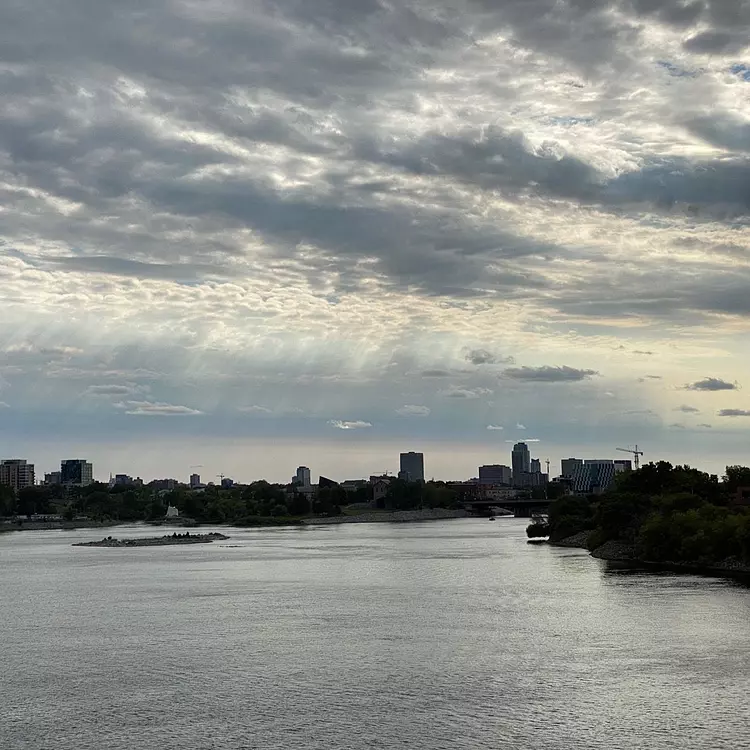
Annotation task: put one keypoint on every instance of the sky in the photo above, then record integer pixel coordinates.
(236, 237)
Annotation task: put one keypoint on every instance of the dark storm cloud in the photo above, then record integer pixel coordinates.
(548, 374)
(714, 42)
(492, 158)
(711, 384)
(687, 293)
(117, 108)
(484, 357)
(447, 252)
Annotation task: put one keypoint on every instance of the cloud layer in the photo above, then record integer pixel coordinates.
(268, 214)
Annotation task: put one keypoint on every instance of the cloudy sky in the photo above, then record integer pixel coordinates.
(248, 235)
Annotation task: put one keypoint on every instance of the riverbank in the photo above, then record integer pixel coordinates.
(397, 516)
(57, 525)
(383, 516)
(625, 555)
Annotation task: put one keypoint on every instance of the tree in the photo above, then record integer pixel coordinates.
(7, 500)
(299, 505)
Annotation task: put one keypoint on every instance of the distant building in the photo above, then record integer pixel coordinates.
(495, 474)
(302, 477)
(195, 481)
(535, 466)
(76, 472)
(352, 485)
(227, 483)
(17, 473)
(54, 477)
(326, 482)
(568, 466)
(412, 466)
(593, 477)
(380, 487)
(121, 479)
(530, 479)
(520, 461)
(623, 465)
(172, 512)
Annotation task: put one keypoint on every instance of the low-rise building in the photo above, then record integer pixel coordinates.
(495, 474)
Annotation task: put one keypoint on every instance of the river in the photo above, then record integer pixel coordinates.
(435, 636)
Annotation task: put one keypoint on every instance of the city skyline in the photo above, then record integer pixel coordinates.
(413, 222)
(369, 465)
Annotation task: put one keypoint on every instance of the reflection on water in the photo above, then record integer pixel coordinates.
(439, 635)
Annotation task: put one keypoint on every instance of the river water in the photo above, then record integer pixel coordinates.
(437, 635)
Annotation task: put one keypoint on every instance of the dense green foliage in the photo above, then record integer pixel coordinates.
(259, 503)
(668, 513)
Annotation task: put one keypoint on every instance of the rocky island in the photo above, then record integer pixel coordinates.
(156, 541)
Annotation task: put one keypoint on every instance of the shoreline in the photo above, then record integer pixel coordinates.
(395, 516)
(399, 516)
(623, 555)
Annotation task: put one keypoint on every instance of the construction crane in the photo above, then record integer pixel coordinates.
(636, 455)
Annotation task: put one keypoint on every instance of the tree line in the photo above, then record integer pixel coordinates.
(256, 503)
(667, 513)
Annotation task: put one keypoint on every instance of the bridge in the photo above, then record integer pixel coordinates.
(521, 507)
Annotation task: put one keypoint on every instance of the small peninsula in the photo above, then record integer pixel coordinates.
(156, 541)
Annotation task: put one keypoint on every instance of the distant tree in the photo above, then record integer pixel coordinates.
(298, 505)
(7, 500)
(735, 477)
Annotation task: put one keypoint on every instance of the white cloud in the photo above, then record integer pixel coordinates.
(254, 409)
(520, 426)
(4, 405)
(495, 427)
(461, 392)
(113, 390)
(414, 410)
(156, 409)
(349, 425)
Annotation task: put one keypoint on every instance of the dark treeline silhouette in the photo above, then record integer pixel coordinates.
(667, 513)
(255, 503)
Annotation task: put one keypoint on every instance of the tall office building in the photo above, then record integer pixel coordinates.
(77, 472)
(594, 476)
(302, 477)
(16, 473)
(195, 480)
(568, 466)
(536, 466)
(495, 474)
(412, 466)
(520, 460)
